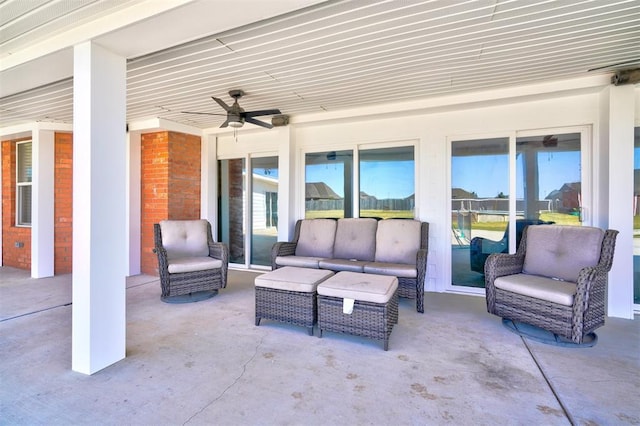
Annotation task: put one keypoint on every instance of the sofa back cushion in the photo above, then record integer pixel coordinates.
(316, 238)
(398, 241)
(561, 251)
(356, 239)
(185, 238)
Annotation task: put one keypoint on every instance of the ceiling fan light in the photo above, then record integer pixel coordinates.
(235, 124)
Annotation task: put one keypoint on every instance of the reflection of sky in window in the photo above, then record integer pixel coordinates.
(487, 176)
(382, 179)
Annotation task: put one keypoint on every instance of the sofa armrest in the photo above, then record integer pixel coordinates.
(499, 265)
(281, 248)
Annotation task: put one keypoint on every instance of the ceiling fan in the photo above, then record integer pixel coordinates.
(236, 115)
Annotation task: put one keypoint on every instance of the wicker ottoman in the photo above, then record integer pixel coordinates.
(374, 310)
(289, 295)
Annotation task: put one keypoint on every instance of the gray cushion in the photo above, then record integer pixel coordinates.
(185, 238)
(395, 269)
(355, 239)
(398, 241)
(316, 238)
(555, 291)
(561, 251)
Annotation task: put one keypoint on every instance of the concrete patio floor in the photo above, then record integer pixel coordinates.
(207, 363)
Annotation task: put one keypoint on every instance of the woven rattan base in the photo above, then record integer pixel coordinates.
(372, 320)
(196, 296)
(293, 307)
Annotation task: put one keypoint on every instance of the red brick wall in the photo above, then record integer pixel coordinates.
(12, 255)
(170, 186)
(63, 203)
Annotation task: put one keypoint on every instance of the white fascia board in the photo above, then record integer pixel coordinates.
(90, 30)
(27, 129)
(557, 88)
(161, 124)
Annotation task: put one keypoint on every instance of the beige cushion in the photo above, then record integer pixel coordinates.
(193, 264)
(555, 291)
(398, 241)
(561, 251)
(362, 287)
(316, 238)
(184, 238)
(355, 239)
(395, 269)
(293, 279)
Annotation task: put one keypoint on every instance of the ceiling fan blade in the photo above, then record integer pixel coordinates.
(257, 122)
(225, 124)
(262, 112)
(201, 113)
(221, 103)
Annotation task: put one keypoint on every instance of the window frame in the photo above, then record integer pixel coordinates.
(19, 194)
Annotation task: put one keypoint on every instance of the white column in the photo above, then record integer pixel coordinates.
(287, 200)
(209, 182)
(618, 120)
(133, 202)
(99, 208)
(42, 204)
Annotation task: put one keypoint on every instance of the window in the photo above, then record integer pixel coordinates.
(24, 172)
(386, 186)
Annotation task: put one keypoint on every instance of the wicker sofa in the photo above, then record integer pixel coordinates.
(395, 247)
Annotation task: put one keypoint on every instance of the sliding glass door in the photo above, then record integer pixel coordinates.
(544, 170)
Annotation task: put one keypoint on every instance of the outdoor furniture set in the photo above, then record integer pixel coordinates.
(346, 274)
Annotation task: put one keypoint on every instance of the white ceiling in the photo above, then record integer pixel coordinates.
(328, 56)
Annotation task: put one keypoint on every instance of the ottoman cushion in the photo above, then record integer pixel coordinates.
(293, 279)
(362, 287)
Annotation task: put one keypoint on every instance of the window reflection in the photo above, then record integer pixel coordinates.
(264, 184)
(328, 184)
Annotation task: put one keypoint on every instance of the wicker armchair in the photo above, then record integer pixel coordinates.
(557, 280)
(191, 265)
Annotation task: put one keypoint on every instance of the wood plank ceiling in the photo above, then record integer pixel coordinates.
(348, 54)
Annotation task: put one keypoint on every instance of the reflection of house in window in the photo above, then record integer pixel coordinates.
(567, 198)
(265, 201)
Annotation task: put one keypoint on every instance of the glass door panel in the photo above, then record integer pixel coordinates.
(328, 184)
(387, 182)
(479, 206)
(264, 219)
(231, 226)
(636, 217)
(548, 180)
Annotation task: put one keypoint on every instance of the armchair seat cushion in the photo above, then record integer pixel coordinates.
(543, 288)
(193, 264)
(396, 269)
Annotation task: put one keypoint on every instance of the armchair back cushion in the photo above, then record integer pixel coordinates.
(356, 239)
(398, 241)
(561, 251)
(185, 238)
(316, 238)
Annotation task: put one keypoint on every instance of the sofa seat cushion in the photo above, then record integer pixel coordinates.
(193, 264)
(395, 269)
(299, 261)
(355, 239)
(561, 251)
(362, 287)
(317, 237)
(342, 265)
(398, 241)
(302, 280)
(185, 238)
(543, 288)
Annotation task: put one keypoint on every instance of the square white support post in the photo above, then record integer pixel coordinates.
(134, 199)
(100, 236)
(209, 181)
(42, 204)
